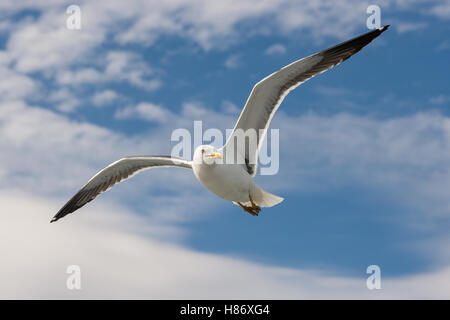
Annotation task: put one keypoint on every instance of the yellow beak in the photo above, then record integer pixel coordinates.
(215, 155)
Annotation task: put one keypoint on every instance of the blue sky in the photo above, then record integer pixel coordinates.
(364, 162)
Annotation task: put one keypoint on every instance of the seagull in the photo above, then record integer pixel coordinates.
(231, 180)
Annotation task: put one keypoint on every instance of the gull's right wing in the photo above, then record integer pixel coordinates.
(114, 173)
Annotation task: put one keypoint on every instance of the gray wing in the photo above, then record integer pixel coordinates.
(115, 173)
(268, 94)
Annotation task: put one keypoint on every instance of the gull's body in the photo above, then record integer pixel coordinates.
(231, 181)
(228, 181)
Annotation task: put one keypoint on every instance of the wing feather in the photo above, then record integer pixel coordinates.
(268, 93)
(113, 174)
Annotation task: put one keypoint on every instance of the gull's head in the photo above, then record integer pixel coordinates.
(206, 154)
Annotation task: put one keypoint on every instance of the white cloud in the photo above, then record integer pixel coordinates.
(120, 257)
(440, 99)
(66, 101)
(233, 61)
(16, 85)
(127, 66)
(230, 108)
(105, 97)
(276, 49)
(79, 57)
(145, 111)
(5, 26)
(403, 27)
(441, 10)
(119, 66)
(79, 76)
(209, 24)
(406, 155)
(54, 46)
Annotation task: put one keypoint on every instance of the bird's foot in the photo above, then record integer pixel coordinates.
(250, 210)
(254, 206)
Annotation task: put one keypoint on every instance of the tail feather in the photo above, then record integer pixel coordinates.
(265, 199)
(262, 198)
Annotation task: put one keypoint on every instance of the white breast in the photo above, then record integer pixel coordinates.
(228, 181)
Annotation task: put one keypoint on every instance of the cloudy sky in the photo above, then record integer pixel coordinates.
(364, 150)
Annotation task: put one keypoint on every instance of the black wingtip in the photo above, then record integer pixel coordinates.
(383, 29)
(54, 220)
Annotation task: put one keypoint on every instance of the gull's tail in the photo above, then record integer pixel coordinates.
(262, 198)
(265, 199)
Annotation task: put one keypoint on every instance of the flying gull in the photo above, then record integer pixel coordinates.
(231, 180)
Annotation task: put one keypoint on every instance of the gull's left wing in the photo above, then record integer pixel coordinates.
(268, 94)
(114, 173)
